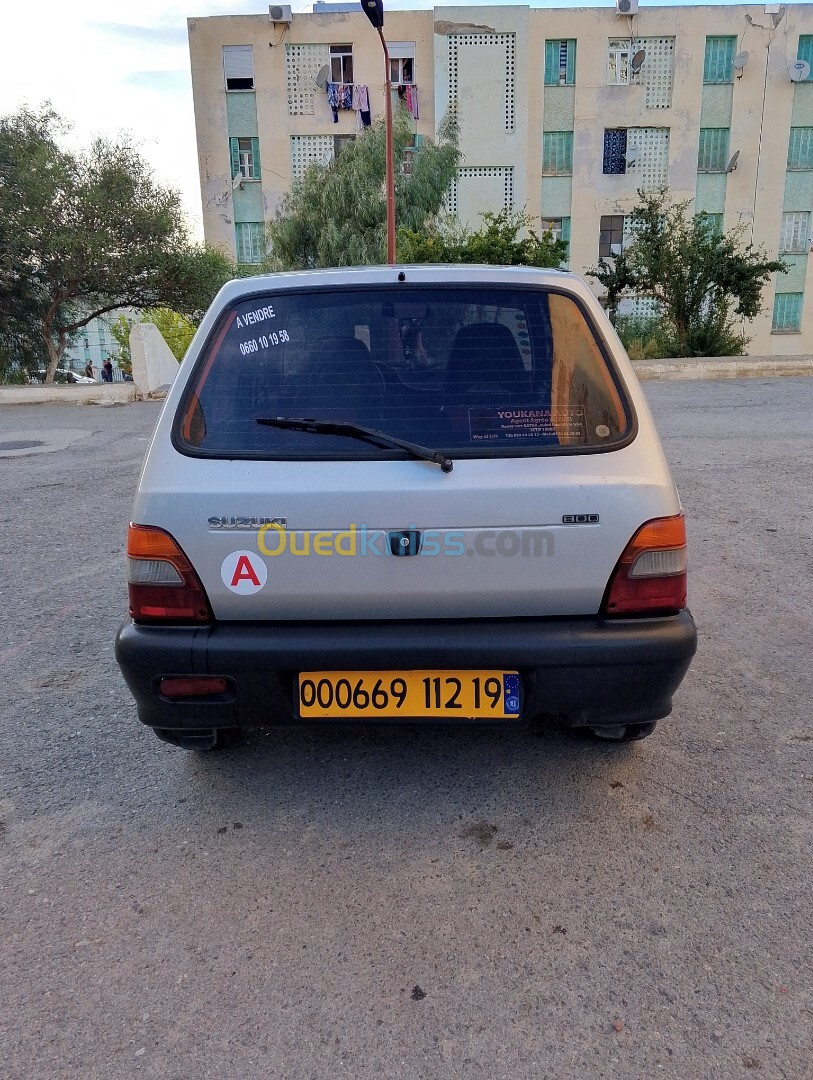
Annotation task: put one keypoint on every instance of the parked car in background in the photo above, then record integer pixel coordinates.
(405, 494)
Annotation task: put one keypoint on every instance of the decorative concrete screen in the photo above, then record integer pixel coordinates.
(307, 149)
(652, 161)
(658, 70)
(481, 188)
(639, 307)
(475, 60)
(302, 64)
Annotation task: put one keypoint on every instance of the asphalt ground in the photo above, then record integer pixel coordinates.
(399, 902)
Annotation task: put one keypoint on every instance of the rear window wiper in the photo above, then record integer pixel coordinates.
(358, 431)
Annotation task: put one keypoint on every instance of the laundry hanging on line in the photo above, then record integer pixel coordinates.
(361, 103)
(408, 93)
(339, 96)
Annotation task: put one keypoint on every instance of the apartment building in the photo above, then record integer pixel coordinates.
(567, 112)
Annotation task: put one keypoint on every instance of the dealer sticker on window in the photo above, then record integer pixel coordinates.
(511, 424)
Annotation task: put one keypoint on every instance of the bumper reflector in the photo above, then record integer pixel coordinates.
(193, 686)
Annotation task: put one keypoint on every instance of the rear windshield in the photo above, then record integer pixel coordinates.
(474, 371)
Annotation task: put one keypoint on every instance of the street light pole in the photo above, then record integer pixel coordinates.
(374, 10)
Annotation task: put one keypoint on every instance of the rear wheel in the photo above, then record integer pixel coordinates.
(197, 738)
(627, 733)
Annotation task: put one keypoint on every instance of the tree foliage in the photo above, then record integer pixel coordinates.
(176, 329)
(85, 233)
(498, 242)
(335, 215)
(701, 278)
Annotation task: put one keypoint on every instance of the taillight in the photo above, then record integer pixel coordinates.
(651, 574)
(163, 586)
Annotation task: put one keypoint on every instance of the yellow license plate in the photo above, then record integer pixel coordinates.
(467, 695)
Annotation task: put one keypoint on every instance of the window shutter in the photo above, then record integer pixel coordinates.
(234, 147)
(794, 234)
(566, 229)
(800, 148)
(255, 154)
(787, 311)
(571, 62)
(719, 54)
(551, 63)
(712, 154)
(238, 65)
(557, 152)
(401, 50)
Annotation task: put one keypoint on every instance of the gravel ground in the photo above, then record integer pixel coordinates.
(360, 903)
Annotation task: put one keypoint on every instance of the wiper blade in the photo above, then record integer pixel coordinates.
(358, 431)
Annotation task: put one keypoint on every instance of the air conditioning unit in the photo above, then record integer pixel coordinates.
(281, 13)
(626, 7)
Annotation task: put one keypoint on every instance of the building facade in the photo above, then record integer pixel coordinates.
(566, 112)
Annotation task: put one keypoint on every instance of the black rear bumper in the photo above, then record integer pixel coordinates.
(585, 671)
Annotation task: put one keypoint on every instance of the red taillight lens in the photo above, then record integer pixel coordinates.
(186, 686)
(651, 574)
(163, 586)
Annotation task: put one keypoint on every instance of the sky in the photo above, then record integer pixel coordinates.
(123, 69)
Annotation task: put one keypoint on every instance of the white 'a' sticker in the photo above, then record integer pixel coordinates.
(244, 572)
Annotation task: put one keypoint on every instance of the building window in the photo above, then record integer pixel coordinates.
(712, 154)
(557, 153)
(805, 52)
(559, 228)
(250, 241)
(787, 312)
(800, 149)
(341, 63)
(409, 154)
(238, 67)
(794, 237)
(713, 222)
(245, 158)
(620, 52)
(402, 62)
(615, 150)
(341, 142)
(560, 62)
(718, 66)
(611, 237)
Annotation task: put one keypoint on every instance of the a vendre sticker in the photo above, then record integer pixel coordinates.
(488, 424)
(244, 572)
(260, 341)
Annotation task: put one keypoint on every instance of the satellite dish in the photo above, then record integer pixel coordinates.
(732, 164)
(638, 60)
(799, 71)
(740, 60)
(237, 181)
(631, 155)
(322, 76)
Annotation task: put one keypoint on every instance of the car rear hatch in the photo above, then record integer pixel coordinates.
(554, 466)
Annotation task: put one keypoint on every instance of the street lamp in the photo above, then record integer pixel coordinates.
(374, 10)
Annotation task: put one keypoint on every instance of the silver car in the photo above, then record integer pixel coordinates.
(405, 494)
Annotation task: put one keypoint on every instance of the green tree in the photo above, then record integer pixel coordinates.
(85, 233)
(700, 277)
(335, 215)
(177, 331)
(498, 242)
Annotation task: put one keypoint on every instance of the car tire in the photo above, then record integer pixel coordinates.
(623, 734)
(200, 739)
